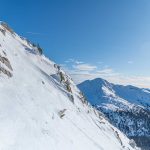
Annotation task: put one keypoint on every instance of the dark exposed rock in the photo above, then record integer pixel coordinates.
(6, 72)
(5, 61)
(3, 31)
(61, 113)
(6, 26)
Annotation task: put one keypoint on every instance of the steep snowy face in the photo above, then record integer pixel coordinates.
(127, 107)
(42, 109)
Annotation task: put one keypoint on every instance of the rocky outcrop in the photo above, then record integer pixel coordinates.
(6, 27)
(5, 62)
(6, 72)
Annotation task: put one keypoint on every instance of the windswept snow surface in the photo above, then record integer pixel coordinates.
(33, 100)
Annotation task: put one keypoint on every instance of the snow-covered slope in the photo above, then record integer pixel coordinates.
(42, 109)
(127, 107)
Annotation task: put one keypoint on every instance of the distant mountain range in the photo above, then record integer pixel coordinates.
(126, 107)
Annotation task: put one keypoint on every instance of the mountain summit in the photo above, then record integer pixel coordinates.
(42, 109)
(126, 107)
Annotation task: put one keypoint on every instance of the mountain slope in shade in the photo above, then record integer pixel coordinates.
(127, 107)
(42, 109)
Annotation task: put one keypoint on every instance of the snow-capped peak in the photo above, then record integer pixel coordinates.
(127, 107)
(41, 108)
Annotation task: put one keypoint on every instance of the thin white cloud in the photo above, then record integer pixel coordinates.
(81, 72)
(80, 76)
(63, 65)
(79, 62)
(105, 71)
(139, 81)
(71, 60)
(84, 67)
(116, 78)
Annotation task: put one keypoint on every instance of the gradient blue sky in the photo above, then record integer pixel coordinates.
(106, 38)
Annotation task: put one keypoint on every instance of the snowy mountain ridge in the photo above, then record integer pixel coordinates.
(41, 107)
(127, 107)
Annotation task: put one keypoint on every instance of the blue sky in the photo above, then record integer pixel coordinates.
(90, 38)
